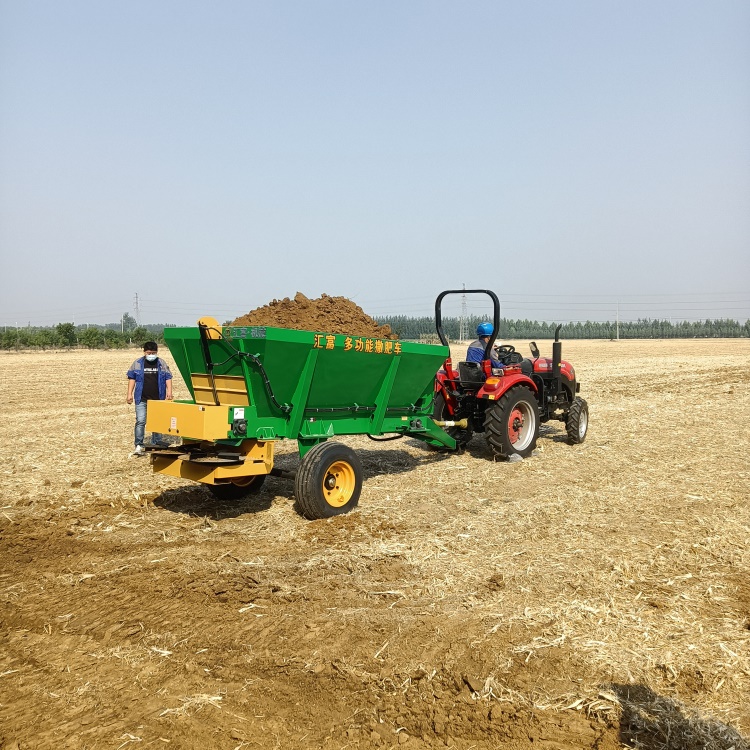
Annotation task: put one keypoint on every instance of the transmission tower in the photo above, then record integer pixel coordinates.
(137, 311)
(463, 333)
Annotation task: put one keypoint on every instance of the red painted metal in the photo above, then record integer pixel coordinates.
(515, 432)
(510, 377)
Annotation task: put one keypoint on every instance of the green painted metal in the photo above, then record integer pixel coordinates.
(311, 386)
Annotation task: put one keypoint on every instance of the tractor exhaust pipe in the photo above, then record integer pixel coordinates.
(556, 359)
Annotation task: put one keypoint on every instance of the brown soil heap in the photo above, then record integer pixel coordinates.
(327, 314)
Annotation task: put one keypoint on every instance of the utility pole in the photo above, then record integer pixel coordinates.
(618, 320)
(137, 311)
(462, 328)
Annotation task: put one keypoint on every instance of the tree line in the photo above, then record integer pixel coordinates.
(126, 333)
(89, 336)
(420, 328)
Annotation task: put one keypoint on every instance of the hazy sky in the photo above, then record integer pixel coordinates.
(211, 157)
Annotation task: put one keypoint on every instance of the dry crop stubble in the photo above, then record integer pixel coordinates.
(587, 596)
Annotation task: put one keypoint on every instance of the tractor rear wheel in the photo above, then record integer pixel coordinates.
(238, 488)
(441, 413)
(577, 422)
(328, 482)
(512, 423)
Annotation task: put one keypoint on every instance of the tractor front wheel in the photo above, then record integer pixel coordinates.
(577, 422)
(512, 423)
(237, 488)
(328, 482)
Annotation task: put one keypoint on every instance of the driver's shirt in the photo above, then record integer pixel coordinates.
(475, 353)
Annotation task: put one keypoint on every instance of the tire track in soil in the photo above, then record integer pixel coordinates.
(125, 665)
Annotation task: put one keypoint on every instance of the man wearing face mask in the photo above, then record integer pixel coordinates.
(149, 379)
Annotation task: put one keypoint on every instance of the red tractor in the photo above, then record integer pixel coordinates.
(507, 403)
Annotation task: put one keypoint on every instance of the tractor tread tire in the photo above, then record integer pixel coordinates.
(496, 422)
(577, 422)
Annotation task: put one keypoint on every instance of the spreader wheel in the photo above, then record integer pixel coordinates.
(441, 413)
(512, 423)
(328, 482)
(238, 488)
(577, 423)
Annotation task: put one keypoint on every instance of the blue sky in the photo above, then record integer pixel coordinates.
(213, 157)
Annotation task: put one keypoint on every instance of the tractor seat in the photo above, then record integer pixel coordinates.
(471, 375)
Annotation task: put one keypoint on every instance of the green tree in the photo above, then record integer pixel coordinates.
(113, 339)
(66, 334)
(93, 338)
(140, 335)
(44, 337)
(128, 322)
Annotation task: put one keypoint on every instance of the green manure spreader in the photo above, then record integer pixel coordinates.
(252, 386)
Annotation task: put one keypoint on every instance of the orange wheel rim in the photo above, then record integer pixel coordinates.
(339, 483)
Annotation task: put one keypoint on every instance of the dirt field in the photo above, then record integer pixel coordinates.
(594, 596)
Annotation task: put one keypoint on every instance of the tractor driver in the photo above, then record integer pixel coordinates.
(475, 352)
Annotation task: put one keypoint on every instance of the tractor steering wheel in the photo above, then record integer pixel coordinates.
(505, 350)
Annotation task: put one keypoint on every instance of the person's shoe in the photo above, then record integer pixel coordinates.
(139, 450)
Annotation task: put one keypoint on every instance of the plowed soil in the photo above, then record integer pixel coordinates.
(591, 596)
(329, 314)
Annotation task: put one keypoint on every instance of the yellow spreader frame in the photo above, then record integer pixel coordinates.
(194, 421)
(255, 458)
(204, 424)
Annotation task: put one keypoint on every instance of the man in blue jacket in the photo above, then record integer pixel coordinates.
(475, 352)
(149, 379)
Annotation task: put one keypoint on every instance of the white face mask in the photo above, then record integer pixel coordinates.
(152, 357)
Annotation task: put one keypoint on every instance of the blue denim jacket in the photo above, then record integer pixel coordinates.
(136, 373)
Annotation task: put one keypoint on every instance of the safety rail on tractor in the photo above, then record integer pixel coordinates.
(254, 385)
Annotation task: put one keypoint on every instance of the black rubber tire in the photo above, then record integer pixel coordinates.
(236, 491)
(518, 404)
(440, 412)
(577, 422)
(328, 482)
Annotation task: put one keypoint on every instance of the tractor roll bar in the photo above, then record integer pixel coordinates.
(495, 315)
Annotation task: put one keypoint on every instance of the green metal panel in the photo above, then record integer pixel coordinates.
(311, 386)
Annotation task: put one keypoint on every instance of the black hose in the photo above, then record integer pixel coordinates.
(209, 363)
(286, 408)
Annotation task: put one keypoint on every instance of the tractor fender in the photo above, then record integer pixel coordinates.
(498, 385)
